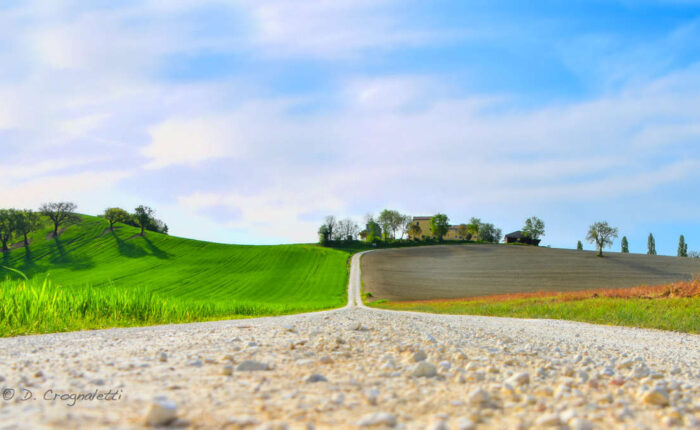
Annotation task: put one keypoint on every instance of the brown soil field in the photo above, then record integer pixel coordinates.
(459, 271)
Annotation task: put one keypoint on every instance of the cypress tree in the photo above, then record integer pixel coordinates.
(579, 246)
(682, 247)
(651, 245)
(625, 245)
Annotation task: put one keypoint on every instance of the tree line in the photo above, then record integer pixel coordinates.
(20, 223)
(602, 235)
(393, 226)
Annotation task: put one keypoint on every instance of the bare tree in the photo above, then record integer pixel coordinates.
(602, 235)
(347, 229)
(405, 222)
(331, 225)
(60, 213)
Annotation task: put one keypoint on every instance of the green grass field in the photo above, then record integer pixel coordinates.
(118, 275)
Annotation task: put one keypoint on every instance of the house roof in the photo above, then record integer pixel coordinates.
(516, 235)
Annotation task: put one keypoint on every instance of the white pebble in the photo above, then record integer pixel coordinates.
(252, 366)
(424, 369)
(161, 412)
(378, 419)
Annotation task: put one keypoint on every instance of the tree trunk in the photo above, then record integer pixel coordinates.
(55, 230)
(26, 241)
(142, 230)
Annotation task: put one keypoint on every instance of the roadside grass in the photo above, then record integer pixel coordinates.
(34, 306)
(668, 307)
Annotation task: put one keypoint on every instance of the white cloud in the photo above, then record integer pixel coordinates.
(275, 213)
(329, 29)
(77, 187)
(38, 169)
(190, 141)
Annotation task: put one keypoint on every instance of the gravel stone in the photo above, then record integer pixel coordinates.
(424, 369)
(419, 355)
(479, 396)
(161, 412)
(252, 366)
(378, 419)
(657, 396)
(518, 379)
(316, 378)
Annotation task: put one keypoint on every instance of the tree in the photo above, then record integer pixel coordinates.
(405, 223)
(602, 235)
(693, 254)
(579, 246)
(489, 233)
(115, 215)
(415, 230)
(159, 226)
(473, 226)
(682, 247)
(439, 225)
(625, 245)
(60, 213)
(330, 224)
(144, 217)
(373, 229)
(7, 227)
(463, 232)
(347, 229)
(651, 245)
(534, 227)
(391, 221)
(323, 235)
(26, 221)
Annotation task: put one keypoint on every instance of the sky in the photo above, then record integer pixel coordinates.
(249, 121)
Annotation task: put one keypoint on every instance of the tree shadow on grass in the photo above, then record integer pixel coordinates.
(28, 258)
(128, 249)
(155, 251)
(59, 255)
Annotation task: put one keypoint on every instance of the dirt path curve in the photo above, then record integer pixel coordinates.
(354, 367)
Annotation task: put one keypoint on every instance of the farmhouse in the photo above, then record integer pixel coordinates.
(424, 223)
(520, 237)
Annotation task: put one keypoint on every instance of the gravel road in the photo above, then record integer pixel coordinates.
(354, 367)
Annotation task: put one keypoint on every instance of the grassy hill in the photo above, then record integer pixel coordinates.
(196, 280)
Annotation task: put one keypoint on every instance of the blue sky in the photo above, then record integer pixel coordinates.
(248, 121)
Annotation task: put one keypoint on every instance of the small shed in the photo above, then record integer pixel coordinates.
(520, 237)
